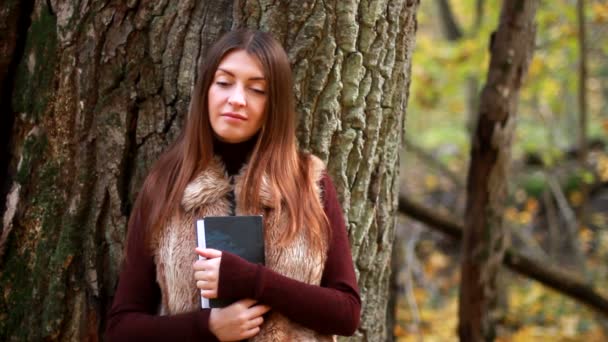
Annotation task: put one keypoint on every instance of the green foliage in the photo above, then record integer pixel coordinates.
(548, 108)
(576, 179)
(534, 184)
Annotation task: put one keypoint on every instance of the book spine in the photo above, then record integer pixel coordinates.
(200, 241)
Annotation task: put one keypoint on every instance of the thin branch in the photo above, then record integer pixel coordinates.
(449, 26)
(479, 12)
(569, 215)
(553, 224)
(549, 275)
(409, 283)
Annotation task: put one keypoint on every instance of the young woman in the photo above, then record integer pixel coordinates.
(237, 156)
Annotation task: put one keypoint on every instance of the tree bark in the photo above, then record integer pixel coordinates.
(14, 16)
(102, 88)
(485, 240)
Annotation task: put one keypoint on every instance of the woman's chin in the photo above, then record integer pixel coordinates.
(232, 138)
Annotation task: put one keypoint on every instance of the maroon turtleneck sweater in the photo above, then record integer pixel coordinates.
(332, 308)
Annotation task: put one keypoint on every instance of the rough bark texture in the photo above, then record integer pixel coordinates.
(485, 239)
(102, 88)
(351, 62)
(14, 16)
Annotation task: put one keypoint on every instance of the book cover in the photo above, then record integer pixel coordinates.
(240, 235)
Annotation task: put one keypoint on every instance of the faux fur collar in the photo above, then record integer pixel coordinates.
(214, 184)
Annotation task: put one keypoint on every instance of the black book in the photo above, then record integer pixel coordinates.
(240, 235)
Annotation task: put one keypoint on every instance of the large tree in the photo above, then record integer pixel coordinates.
(93, 91)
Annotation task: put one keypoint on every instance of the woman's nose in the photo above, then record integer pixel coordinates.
(237, 97)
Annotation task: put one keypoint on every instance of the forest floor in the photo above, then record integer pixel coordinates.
(430, 274)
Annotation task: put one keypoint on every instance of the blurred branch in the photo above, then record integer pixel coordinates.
(449, 26)
(479, 11)
(549, 275)
(432, 161)
(553, 224)
(409, 283)
(568, 215)
(532, 247)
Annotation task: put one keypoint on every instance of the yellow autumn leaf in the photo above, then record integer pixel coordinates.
(431, 182)
(536, 67)
(398, 331)
(569, 325)
(527, 333)
(456, 106)
(600, 12)
(602, 162)
(511, 214)
(576, 198)
(585, 236)
(420, 295)
(531, 204)
(525, 217)
(550, 89)
(598, 219)
(438, 260)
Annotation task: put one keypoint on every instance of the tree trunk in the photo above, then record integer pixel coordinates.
(582, 86)
(485, 240)
(102, 87)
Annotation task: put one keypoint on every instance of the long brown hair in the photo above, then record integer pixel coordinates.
(274, 156)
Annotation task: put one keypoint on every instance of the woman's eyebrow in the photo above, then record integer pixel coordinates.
(256, 78)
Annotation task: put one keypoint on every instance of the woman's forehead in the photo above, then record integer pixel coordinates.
(241, 63)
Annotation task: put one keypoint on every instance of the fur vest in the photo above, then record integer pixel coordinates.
(207, 195)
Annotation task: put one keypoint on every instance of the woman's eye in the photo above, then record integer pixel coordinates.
(259, 91)
(222, 83)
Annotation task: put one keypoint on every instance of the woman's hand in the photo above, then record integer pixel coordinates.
(238, 321)
(207, 271)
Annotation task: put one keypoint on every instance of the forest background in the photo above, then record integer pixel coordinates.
(557, 208)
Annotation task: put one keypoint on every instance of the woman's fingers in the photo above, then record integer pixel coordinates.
(251, 332)
(208, 253)
(209, 294)
(258, 310)
(205, 286)
(253, 323)
(247, 303)
(206, 264)
(205, 275)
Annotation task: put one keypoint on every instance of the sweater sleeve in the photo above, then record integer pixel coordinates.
(334, 307)
(133, 315)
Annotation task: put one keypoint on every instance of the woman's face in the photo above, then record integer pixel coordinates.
(237, 97)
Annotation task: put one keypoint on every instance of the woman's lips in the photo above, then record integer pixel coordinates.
(235, 116)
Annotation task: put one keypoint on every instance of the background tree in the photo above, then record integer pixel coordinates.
(101, 88)
(485, 239)
(545, 180)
